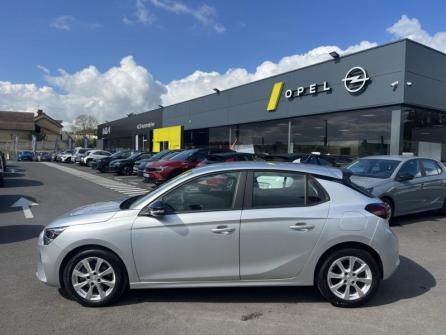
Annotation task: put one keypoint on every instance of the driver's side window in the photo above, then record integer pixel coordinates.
(214, 192)
(410, 168)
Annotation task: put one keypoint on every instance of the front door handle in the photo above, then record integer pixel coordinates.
(301, 226)
(224, 230)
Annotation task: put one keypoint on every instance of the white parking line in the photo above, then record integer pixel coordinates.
(114, 185)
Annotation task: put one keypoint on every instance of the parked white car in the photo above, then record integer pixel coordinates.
(92, 155)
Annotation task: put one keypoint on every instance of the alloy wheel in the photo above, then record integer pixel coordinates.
(349, 278)
(93, 279)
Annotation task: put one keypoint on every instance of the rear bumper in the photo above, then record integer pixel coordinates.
(387, 245)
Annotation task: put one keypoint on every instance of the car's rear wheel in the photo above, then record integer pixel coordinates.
(95, 277)
(348, 277)
(127, 171)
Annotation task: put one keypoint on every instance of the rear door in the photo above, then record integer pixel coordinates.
(283, 218)
(434, 184)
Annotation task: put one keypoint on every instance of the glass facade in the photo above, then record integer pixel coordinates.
(354, 133)
(424, 132)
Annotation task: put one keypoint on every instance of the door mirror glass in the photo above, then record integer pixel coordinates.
(156, 209)
(405, 176)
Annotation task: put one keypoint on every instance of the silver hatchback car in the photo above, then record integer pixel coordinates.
(407, 184)
(232, 224)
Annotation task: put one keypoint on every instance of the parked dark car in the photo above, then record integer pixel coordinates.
(44, 157)
(227, 157)
(159, 172)
(140, 164)
(25, 156)
(325, 160)
(125, 166)
(280, 157)
(102, 164)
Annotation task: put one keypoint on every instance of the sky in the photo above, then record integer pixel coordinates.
(108, 58)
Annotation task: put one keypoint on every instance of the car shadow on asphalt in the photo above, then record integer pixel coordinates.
(410, 280)
(416, 218)
(16, 182)
(18, 233)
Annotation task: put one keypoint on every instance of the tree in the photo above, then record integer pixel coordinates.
(85, 125)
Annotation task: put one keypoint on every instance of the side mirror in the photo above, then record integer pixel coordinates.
(405, 177)
(156, 209)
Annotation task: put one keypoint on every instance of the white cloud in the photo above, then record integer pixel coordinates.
(63, 22)
(411, 28)
(43, 69)
(204, 14)
(129, 87)
(120, 90)
(69, 22)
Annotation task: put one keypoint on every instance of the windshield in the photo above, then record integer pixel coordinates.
(184, 155)
(373, 168)
(159, 155)
(82, 151)
(133, 156)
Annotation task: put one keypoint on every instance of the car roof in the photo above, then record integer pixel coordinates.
(324, 171)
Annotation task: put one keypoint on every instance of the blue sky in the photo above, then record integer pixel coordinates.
(172, 39)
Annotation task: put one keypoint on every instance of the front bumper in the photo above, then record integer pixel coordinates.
(47, 262)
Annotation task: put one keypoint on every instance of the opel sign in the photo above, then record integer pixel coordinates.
(355, 79)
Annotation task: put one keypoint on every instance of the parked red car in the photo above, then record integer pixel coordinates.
(227, 157)
(160, 171)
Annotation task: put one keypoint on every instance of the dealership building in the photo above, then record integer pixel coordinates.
(390, 99)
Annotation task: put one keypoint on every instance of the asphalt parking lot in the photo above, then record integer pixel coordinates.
(413, 301)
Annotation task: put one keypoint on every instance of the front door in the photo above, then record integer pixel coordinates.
(407, 195)
(199, 239)
(287, 214)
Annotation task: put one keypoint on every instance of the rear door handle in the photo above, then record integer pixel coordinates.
(301, 226)
(224, 230)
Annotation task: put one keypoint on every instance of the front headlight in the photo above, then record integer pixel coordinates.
(51, 233)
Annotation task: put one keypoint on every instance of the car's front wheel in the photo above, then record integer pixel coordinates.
(348, 277)
(95, 277)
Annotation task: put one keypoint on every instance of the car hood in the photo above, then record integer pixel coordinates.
(93, 213)
(368, 182)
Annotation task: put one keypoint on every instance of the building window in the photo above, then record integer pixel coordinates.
(424, 133)
(354, 133)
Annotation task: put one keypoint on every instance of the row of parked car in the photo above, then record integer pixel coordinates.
(167, 164)
(407, 184)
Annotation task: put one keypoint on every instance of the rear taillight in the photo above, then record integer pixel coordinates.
(380, 209)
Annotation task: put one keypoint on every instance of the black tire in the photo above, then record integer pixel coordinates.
(89, 163)
(391, 205)
(127, 171)
(322, 280)
(121, 280)
(443, 209)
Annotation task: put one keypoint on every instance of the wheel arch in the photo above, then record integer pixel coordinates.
(78, 249)
(344, 245)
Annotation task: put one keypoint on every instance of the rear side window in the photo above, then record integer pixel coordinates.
(285, 189)
(431, 168)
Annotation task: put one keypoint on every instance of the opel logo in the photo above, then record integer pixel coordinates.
(355, 79)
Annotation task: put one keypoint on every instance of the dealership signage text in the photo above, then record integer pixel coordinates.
(311, 89)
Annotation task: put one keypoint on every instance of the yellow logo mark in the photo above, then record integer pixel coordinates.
(275, 96)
